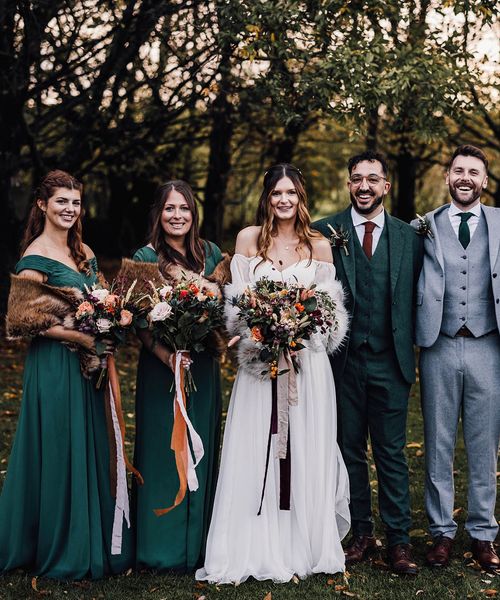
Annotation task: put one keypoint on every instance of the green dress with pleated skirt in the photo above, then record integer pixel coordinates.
(176, 540)
(56, 507)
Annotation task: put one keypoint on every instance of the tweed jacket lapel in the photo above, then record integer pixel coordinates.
(434, 239)
(492, 217)
(396, 246)
(343, 221)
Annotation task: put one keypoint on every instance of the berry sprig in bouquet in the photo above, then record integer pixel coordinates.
(281, 316)
(185, 315)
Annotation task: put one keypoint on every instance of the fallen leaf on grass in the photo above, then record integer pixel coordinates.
(341, 588)
(200, 585)
(490, 593)
(418, 533)
(295, 579)
(467, 554)
(457, 511)
(268, 596)
(414, 445)
(419, 592)
(419, 453)
(34, 587)
(330, 582)
(350, 594)
(129, 572)
(201, 598)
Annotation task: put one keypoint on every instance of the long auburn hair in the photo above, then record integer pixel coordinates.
(195, 255)
(265, 215)
(36, 217)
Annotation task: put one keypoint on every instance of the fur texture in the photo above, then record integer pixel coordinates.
(247, 350)
(34, 307)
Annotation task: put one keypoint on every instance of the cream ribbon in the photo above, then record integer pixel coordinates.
(196, 442)
(287, 396)
(122, 509)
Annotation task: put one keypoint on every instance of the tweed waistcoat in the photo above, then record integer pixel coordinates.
(371, 320)
(468, 296)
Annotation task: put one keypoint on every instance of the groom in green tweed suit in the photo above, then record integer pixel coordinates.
(377, 258)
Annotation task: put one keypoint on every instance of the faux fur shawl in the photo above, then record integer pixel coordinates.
(34, 307)
(148, 272)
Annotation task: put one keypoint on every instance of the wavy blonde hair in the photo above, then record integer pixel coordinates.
(265, 215)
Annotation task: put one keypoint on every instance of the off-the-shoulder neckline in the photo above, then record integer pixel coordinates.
(91, 259)
(314, 260)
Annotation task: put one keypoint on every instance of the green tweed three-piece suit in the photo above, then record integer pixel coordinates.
(376, 367)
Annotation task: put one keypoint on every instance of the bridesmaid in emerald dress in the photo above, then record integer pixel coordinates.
(56, 508)
(176, 540)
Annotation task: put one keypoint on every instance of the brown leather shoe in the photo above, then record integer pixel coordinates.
(359, 548)
(439, 553)
(485, 554)
(401, 560)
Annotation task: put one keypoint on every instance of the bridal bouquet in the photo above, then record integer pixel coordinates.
(281, 316)
(184, 315)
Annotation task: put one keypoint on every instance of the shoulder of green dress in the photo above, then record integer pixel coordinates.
(35, 262)
(212, 251)
(146, 254)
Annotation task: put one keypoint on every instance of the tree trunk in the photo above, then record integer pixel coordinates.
(372, 130)
(403, 205)
(286, 148)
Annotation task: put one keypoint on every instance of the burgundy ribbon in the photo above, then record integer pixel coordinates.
(285, 463)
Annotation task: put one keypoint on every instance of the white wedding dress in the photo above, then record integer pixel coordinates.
(279, 544)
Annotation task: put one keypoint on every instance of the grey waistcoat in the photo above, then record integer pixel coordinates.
(468, 297)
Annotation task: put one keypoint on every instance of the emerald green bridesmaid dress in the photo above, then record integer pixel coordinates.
(56, 507)
(176, 540)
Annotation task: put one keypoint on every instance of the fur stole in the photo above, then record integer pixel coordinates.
(34, 307)
(248, 350)
(146, 273)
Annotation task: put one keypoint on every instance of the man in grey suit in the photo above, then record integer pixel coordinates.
(457, 328)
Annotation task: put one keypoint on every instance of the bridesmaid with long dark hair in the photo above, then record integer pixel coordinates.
(175, 540)
(56, 506)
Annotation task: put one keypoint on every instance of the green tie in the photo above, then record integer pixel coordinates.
(463, 230)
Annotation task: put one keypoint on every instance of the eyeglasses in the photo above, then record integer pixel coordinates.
(372, 180)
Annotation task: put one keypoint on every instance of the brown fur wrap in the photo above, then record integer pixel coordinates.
(34, 307)
(149, 272)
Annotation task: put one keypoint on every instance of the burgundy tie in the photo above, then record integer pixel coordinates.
(368, 238)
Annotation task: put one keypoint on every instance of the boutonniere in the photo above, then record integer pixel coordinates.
(339, 239)
(424, 226)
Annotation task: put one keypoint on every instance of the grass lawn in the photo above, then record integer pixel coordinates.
(463, 579)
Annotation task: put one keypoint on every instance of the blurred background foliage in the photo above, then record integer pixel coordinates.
(127, 94)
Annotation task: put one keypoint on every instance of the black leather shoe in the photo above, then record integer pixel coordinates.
(401, 560)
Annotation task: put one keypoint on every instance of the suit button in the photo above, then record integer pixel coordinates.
(494, 275)
(463, 287)
(462, 318)
(394, 303)
(394, 329)
(464, 272)
(464, 256)
(498, 301)
(462, 303)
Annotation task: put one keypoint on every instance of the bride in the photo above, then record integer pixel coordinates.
(278, 544)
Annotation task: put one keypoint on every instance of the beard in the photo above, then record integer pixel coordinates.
(366, 210)
(462, 200)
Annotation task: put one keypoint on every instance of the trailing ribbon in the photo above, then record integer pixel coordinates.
(180, 443)
(119, 463)
(283, 395)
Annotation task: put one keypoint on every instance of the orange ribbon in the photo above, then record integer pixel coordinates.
(179, 445)
(115, 387)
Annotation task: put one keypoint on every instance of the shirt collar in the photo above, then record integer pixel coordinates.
(358, 219)
(454, 210)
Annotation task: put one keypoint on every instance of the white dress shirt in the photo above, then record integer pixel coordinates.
(359, 220)
(454, 213)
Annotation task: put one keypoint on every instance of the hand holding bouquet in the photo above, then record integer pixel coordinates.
(182, 316)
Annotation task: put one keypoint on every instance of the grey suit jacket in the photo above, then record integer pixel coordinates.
(430, 287)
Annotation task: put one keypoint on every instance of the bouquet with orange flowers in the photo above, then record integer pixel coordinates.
(184, 314)
(281, 316)
(108, 314)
